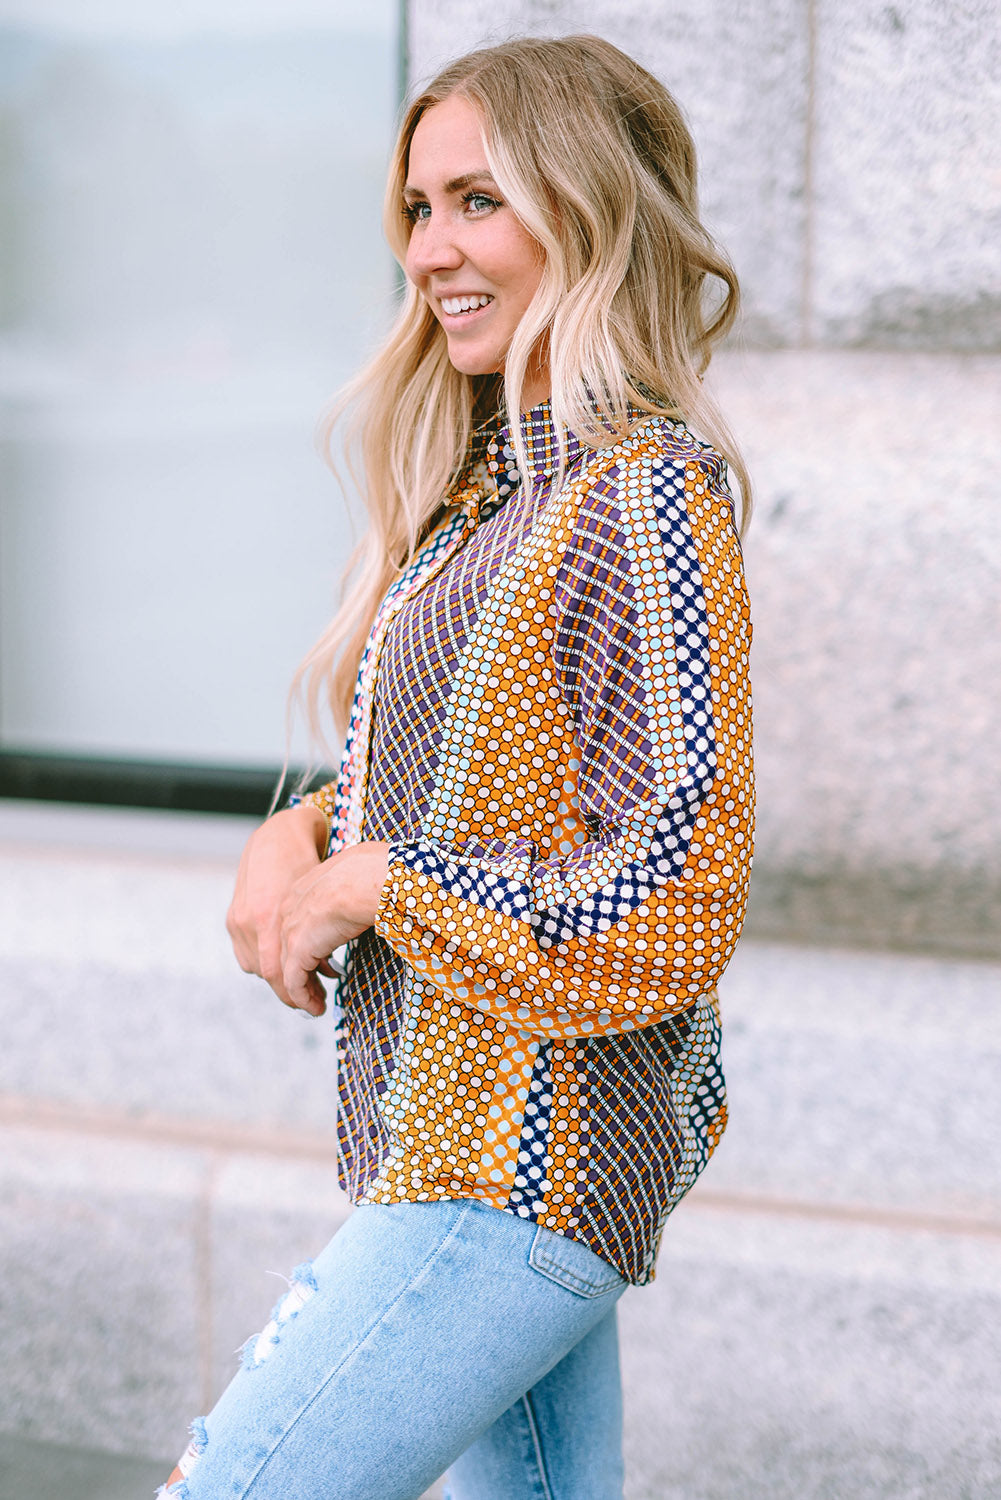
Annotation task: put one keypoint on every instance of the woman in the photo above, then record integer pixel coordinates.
(538, 845)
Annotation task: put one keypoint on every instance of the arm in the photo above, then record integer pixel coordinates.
(647, 727)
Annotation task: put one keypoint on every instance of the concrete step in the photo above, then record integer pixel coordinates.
(52, 1471)
(786, 1357)
(119, 983)
(863, 1079)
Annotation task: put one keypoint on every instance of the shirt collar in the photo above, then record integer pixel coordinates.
(491, 474)
(541, 441)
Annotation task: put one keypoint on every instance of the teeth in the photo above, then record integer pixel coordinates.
(454, 305)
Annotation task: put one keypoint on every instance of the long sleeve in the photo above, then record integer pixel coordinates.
(585, 863)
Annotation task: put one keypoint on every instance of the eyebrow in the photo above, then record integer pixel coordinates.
(454, 184)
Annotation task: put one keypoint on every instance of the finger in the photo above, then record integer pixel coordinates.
(302, 986)
(304, 990)
(317, 997)
(273, 965)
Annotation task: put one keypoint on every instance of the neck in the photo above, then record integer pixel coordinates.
(537, 386)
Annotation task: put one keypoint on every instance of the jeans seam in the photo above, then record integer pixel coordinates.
(571, 1280)
(550, 1266)
(533, 1430)
(429, 1259)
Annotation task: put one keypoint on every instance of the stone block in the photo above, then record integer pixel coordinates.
(268, 1214)
(874, 564)
(192, 1049)
(741, 75)
(201, 837)
(150, 1011)
(103, 1253)
(135, 910)
(905, 188)
(862, 1082)
(778, 1359)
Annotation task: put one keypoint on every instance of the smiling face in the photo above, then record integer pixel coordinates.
(469, 254)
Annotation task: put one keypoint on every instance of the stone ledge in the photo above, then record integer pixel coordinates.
(947, 912)
(845, 1086)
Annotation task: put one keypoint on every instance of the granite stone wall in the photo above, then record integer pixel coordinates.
(850, 165)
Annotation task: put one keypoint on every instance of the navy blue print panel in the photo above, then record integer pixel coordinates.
(528, 1195)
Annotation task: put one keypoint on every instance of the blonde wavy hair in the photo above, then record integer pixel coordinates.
(594, 156)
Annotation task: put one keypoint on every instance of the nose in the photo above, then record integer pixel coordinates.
(432, 247)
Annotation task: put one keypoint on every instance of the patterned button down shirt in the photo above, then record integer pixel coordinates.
(552, 730)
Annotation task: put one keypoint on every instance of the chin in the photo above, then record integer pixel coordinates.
(467, 363)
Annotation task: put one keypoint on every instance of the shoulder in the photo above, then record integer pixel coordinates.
(670, 443)
(660, 460)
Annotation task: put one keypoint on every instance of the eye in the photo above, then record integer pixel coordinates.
(416, 211)
(480, 203)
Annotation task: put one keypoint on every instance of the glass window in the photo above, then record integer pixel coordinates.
(191, 260)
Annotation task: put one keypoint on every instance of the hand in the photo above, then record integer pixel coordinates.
(289, 845)
(324, 909)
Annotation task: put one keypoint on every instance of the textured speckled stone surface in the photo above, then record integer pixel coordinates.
(775, 1359)
(101, 1260)
(142, 991)
(906, 191)
(862, 1079)
(874, 564)
(741, 75)
(180, 1046)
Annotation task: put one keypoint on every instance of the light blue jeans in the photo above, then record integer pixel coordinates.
(426, 1337)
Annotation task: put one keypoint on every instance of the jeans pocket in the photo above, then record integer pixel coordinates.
(572, 1265)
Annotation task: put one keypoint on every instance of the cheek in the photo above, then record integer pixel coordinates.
(531, 270)
(414, 276)
(527, 289)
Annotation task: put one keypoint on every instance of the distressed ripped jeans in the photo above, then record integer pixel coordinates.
(426, 1337)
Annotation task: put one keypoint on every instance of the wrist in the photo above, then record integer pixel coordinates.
(366, 869)
(313, 822)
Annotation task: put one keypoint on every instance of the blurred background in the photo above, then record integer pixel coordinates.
(190, 262)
